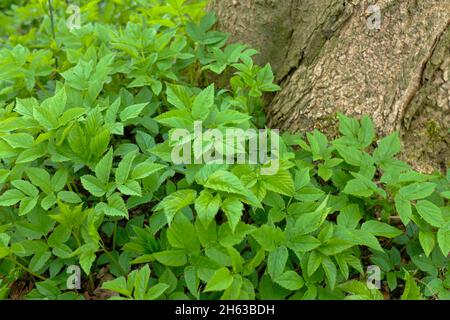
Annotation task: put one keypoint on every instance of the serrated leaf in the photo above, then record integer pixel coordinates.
(131, 188)
(276, 261)
(380, 229)
(118, 285)
(207, 207)
(124, 168)
(26, 187)
(93, 185)
(418, 190)
(430, 213)
(233, 209)
(116, 207)
(443, 238)
(40, 178)
(427, 241)
(330, 271)
(412, 290)
(171, 258)
(222, 180)
(220, 280)
(39, 260)
(19, 140)
(103, 167)
(26, 205)
(132, 112)
(176, 201)
(156, 291)
(387, 148)
(281, 182)
(145, 169)
(404, 209)
(290, 280)
(203, 103)
(69, 197)
(11, 197)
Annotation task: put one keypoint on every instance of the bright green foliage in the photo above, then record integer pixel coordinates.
(86, 176)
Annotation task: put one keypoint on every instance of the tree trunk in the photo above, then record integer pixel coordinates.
(336, 55)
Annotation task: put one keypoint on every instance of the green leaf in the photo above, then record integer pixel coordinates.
(443, 238)
(348, 126)
(131, 188)
(182, 235)
(145, 169)
(233, 209)
(381, 229)
(103, 167)
(427, 241)
(141, 282)
(268, 237)
(314, 261)
(156, 291)
(281, 182)
(176, 201)
(412, 290)
(404, 208)
(59, 179)
(351, 155)
(360, 188)
(191, 279)
(93, 185)
(38, 261)
(366, 133)
(430, 213)
(48, 201)
(87, 256)
(132, 112)
(48, 289)
(116, 206)
(26, 187)
(19, 140)
(303, 243)
(203, 103)
(177, 96)
(222, 180)
(26, 205)
(11, 197)
(311, 221)
(290, 280)
(40, 178)
(387, 148)
(179, 119)
(276, 261)
(69, 197)
(330, 271)
(123, 170)
(207, 207)
(349, 216)
(360, 290)
(31, 154)
(220, 280)
(118, 285)
(171, 258)
(418, 190)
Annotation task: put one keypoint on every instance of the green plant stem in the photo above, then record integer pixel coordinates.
(114, 235)
(27, 269)
(52, 22)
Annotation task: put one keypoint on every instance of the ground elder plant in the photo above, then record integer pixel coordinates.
(92, 205)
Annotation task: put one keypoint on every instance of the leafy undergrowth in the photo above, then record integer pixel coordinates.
(87, 179)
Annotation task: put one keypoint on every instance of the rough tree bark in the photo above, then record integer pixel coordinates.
(328, 57)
